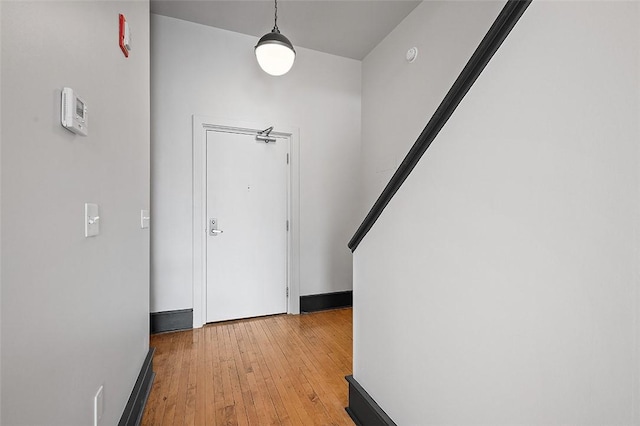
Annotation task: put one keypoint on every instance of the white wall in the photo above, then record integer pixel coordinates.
(75, 310)
(0, 217)
(500, 285)
(207, 71)
(399, 97)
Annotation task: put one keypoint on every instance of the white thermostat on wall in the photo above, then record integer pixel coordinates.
(74, 116)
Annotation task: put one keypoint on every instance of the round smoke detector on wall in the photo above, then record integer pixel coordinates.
(412, 54)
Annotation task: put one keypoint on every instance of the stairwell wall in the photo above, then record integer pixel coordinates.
(500, 285)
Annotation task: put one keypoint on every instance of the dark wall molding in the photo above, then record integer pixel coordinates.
(500, 29)
(321, 302)
(132, 415)
(171, 321)
(364, 411)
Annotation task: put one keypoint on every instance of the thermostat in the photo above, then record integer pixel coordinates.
(73, 112)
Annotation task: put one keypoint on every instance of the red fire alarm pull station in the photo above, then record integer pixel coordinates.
(125, 36)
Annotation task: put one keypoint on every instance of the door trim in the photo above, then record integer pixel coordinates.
(201, 124)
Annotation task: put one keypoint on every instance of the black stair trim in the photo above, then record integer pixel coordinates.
(500, 29)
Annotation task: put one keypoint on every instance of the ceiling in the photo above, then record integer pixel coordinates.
(349, 28)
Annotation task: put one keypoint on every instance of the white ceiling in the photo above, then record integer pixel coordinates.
(349, 28)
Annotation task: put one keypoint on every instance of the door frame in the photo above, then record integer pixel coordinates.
(201, 124)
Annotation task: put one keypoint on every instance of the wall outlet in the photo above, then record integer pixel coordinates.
(98, 406)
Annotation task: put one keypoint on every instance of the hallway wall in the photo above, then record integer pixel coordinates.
(212, 72)
(75, 310)
(0, 212)
(500, 286)
(399, 97)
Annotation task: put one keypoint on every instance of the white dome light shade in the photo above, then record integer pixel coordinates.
(275, 53)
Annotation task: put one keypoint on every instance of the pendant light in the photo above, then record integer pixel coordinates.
(274, 51)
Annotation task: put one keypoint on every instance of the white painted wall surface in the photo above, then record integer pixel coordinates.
(500, 286)
(75, 310)
(399, 97)
(0, 217)
(212, 72)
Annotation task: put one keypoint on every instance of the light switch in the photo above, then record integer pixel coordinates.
(144, 219)
(91, 220)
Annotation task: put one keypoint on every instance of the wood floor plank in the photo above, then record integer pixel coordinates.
(201, 400)
(160, 342)
(192, 384)
(162, 383)
(263, 397)
(280, 379)
(305, 393)
(316, 377)
(215, 383)
(242, 396)
(173, 390)
(233, 394)
(268, 384)
(243, 369)
(213, 392)
(180, 414)
(321, 376)
(278, 370)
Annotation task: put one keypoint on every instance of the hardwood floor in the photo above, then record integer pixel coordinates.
(284, 369)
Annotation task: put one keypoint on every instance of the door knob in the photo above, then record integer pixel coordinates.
(213, 227)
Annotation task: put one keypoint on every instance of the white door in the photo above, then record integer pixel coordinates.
(247, 195)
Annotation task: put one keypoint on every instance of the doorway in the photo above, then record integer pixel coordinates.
(248, 221)
(246, 231)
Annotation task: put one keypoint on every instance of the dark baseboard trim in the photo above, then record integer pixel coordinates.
(321, 302)
(181, 319)
(134, 410)
(362, 409)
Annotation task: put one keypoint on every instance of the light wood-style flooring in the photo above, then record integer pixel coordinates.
(284, 369)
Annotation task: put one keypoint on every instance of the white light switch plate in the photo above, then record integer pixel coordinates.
(144, 219)
(91, 220)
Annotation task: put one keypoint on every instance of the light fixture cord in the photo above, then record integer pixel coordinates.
(275, 26)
